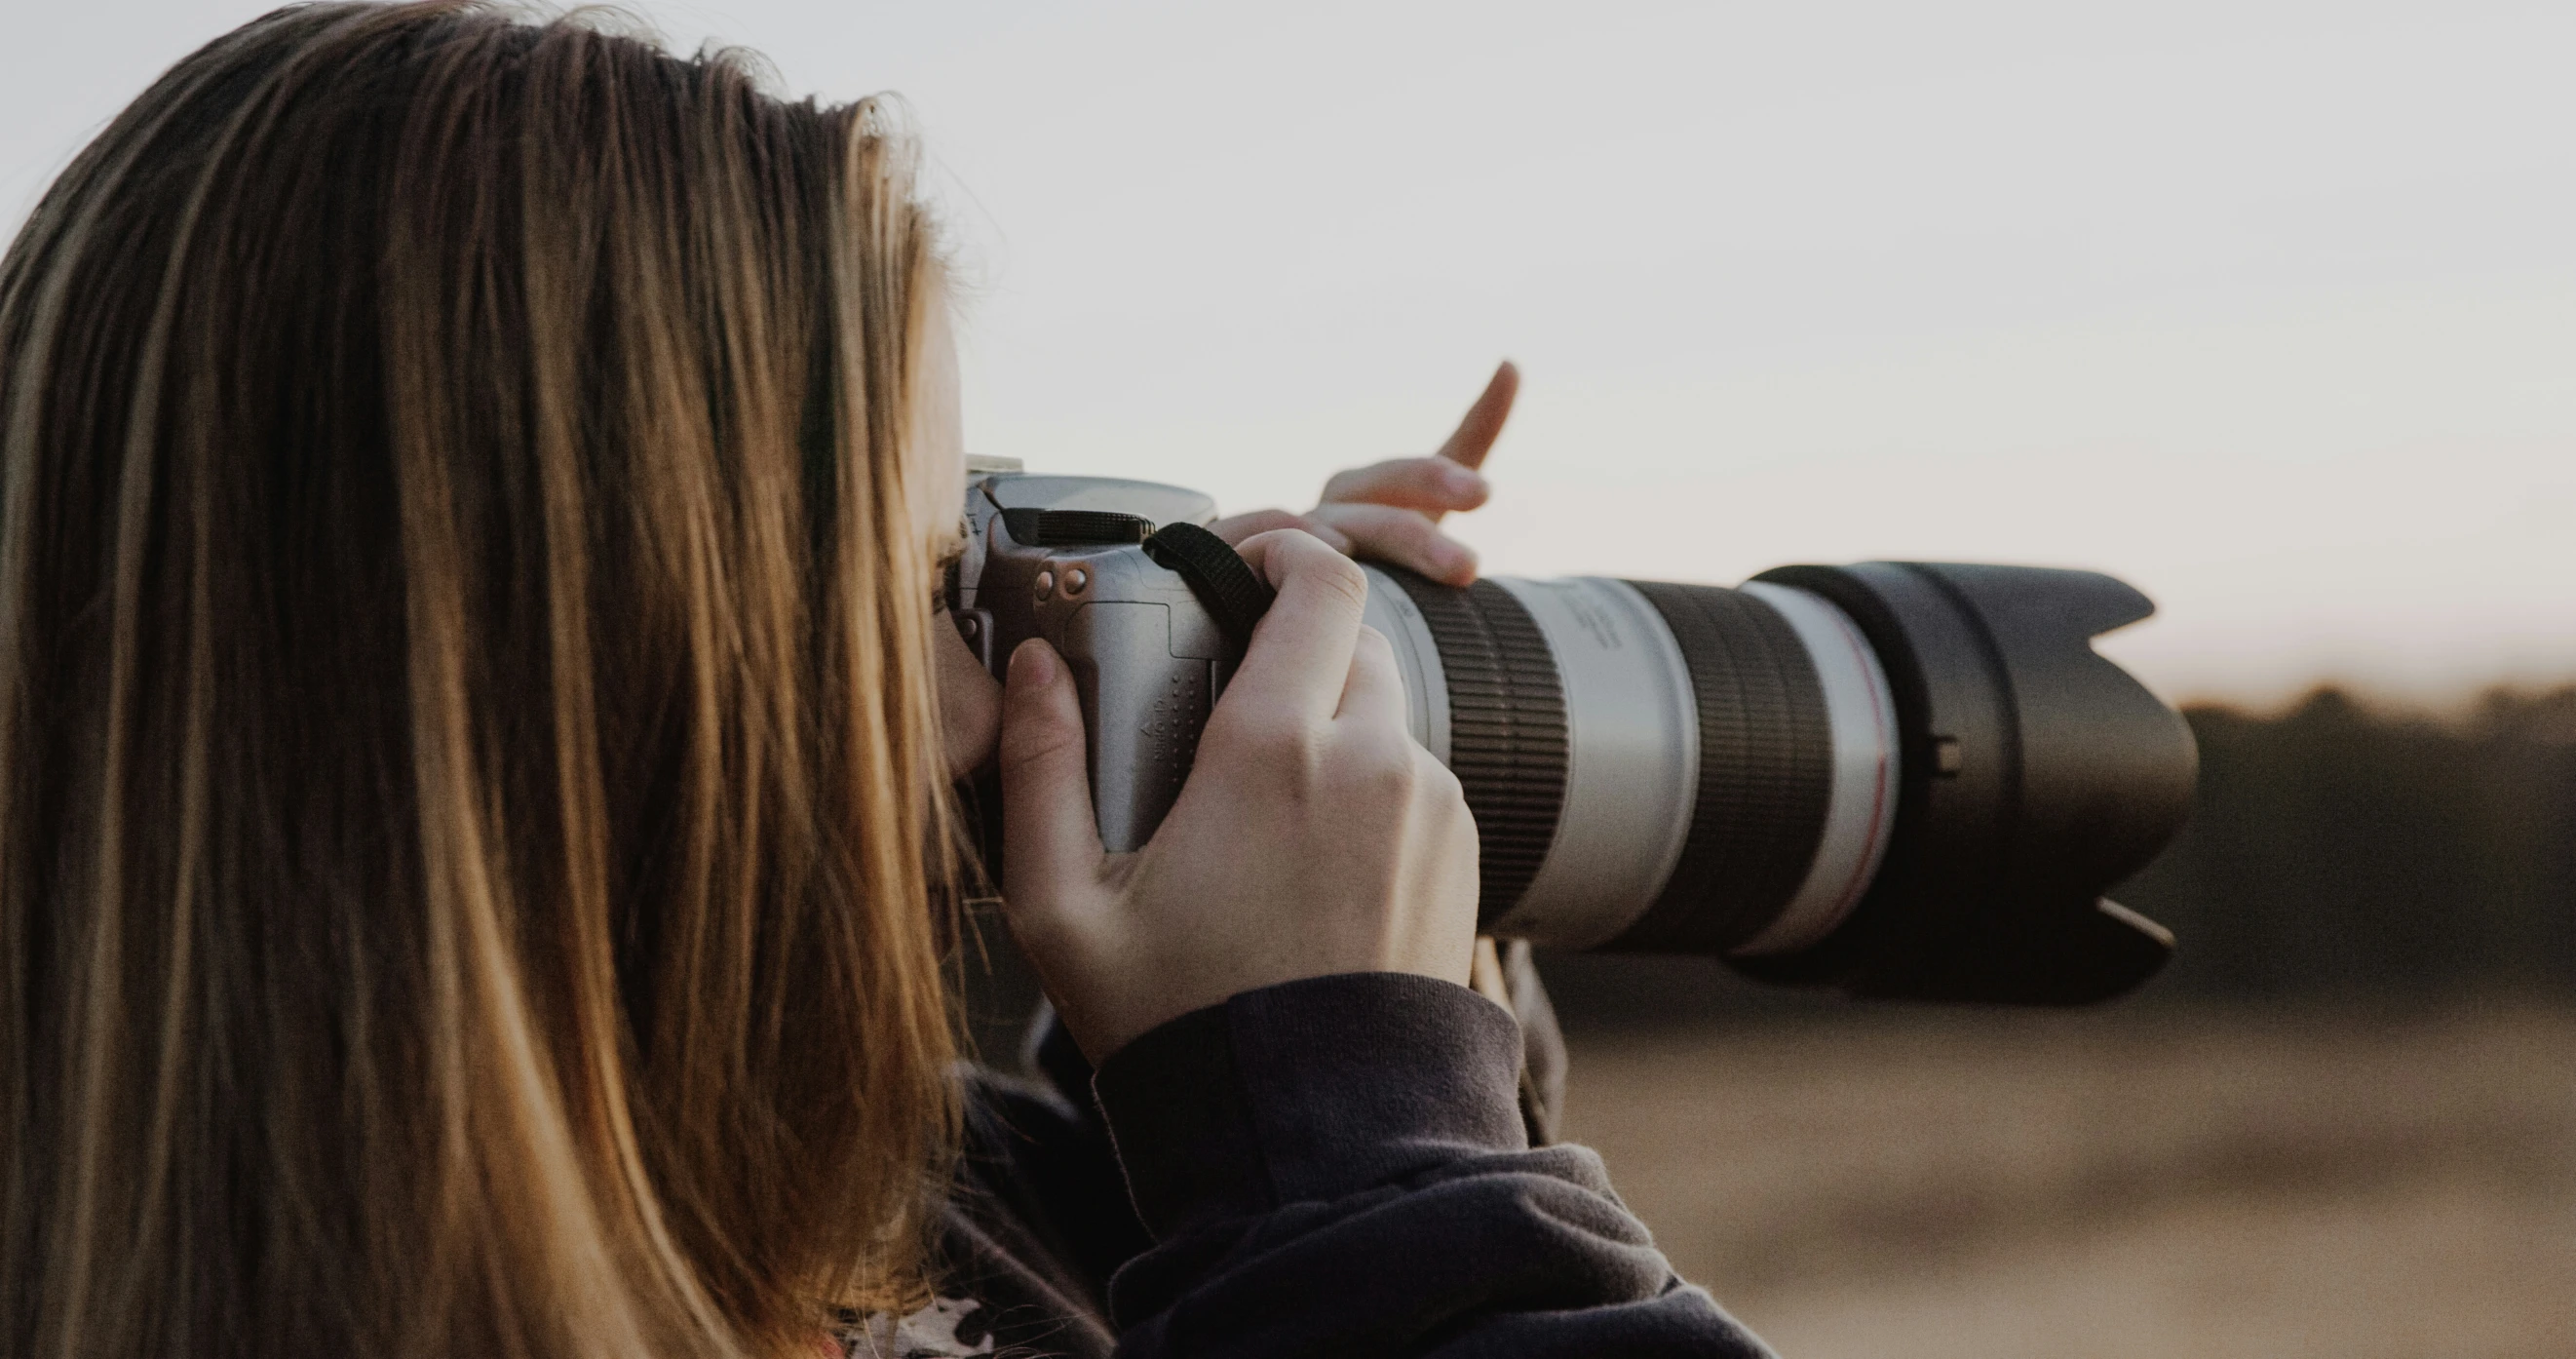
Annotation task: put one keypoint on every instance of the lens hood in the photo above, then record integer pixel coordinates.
(2034, 773)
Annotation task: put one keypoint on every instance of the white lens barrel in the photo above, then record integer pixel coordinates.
(1632, 762)
(1633, 751)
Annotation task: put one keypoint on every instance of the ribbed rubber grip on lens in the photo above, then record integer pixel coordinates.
(1507, 730)
(1765, 772)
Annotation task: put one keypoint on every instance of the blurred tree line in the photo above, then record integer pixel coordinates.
(2338, 852)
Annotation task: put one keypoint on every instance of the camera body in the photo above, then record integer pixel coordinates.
(1895, 779)
(1147, 658)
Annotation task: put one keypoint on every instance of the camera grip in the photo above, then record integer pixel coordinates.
(1150, 623)
(1143, 709)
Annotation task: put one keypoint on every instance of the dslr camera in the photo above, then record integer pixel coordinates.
(1894, 779)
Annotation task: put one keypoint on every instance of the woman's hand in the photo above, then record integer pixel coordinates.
(1390, 511)
(1314, 836)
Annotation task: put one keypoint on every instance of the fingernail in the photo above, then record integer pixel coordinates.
(1033, 662)
(1463, 480)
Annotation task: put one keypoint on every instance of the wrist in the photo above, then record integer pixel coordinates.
(1309, 1090)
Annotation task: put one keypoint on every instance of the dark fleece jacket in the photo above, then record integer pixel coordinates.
(1341, 1166)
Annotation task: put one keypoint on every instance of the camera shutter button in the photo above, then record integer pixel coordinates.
(1044, 585)
(1076, 580)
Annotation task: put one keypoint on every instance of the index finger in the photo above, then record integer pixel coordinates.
(1300, 656)
(1483, 422)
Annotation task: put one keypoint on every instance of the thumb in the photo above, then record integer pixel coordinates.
(1050, 842)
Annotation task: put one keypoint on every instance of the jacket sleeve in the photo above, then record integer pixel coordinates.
(1339, 1166)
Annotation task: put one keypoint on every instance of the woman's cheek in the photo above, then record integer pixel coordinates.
(970, 702)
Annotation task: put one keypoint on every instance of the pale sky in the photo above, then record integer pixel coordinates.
(2269, 308)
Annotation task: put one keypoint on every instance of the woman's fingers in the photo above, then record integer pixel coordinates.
(1434, 486)
(1483, 422)
(1300, 653)
(1336, 845)
(1406, 538)
(1448, 480)
(1373, 692)
(1050, 841)
(1390, 510)
(1234, 528)
(1369, 530)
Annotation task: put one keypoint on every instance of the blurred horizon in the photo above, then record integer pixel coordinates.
(2266, 307)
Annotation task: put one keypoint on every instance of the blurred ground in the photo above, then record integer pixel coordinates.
(2013, 1186)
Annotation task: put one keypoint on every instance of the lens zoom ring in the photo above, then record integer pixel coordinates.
(1507, 732)
(1765, 771)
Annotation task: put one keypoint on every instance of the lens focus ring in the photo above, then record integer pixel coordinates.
(1507, 730)
(1765, 771)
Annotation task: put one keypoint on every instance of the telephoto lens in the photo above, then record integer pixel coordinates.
(1902, 779)
(1895, 779)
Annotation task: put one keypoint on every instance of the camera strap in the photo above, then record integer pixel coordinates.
(1233, 593)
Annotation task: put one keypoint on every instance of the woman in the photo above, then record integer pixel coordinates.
(472, 814)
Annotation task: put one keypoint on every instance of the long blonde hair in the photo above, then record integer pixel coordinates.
(469, 785)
